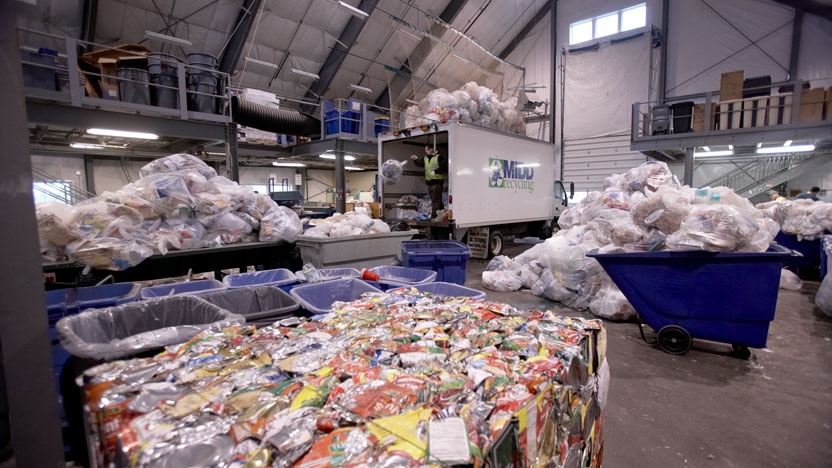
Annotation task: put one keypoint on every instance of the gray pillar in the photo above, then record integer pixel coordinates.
(794, 57)
(340, 182)
(663, 66)
(27, 358)
(89, 172)
(553, 17)
(688, 167)
(232, 165)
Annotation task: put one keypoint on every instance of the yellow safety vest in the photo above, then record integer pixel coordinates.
(431, 166)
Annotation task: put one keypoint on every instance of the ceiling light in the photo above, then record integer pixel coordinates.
(759, 145)
(361, 88)
(288, 164)
(706, 148)
(262, 63)
(786, 149)
(332, 156)
(122, 133)
(705, 154)
(354, 11)
(304, 73)
(85, 146)
(353, 168)
(787, 143)
(165, 38)
(730, 147)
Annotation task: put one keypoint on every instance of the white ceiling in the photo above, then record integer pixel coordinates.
(294, 34)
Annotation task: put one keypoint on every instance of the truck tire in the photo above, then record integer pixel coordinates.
(545, 232)
(495, 244)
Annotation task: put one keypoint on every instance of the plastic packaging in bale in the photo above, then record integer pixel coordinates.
(129, 329)
(392, 170)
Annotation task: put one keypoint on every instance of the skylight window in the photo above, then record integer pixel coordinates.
(608, 24)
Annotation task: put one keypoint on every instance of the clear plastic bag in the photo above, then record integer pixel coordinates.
(257, 205)
(176, 163)
(391, 171)
(52, 225)
(609, 303)
(790, 281)
(108, 253)
(99, 219)
(665, 211)
(714, 228)
(649, 175)
(280, 224)
(504, 280)
(501, 262)
(823, 299)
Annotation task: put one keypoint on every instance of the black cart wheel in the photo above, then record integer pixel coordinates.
(674, 339)
(741, 351)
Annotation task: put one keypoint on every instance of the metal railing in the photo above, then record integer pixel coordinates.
(704, 114)
(55, 75)
(61, 190)
(752, 177)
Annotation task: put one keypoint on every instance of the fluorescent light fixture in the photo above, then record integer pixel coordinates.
(361, 88)
(705, 154)
(85, 146)
(411, 101)
(332, 156)
(288, 164)
(353, 168)
(354, 11)
(759, 145)
(122, 133)
(730, 147)
(706, 148)
(787, 143)
(165, 38)
(786, 149)
(261, 63)
(304, 73)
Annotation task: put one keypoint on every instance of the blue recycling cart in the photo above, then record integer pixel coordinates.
(725, 297)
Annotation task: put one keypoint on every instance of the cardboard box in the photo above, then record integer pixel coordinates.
(811, 105)
(104, 62)
(827, 104)
(109, 83)
(730, 86)
(780, 109)
(699, 117)
(730, 114)
(376, 209)
(754, 112)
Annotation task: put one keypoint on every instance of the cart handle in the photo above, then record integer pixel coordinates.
(781, 249)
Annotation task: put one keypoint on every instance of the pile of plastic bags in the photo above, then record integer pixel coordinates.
(350, 224)
(394, 380)
(473, 104)
(806, 219)
(644, 209)
(178, 203)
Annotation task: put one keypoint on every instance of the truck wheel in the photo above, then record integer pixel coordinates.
(495, 244)
(545, 232)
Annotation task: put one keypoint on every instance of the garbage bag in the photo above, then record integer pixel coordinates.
(549, 287)
(649, 175)
(108, 253)
(610, 303)
(52, 225)
(93, 218)
(257, 205)
(664, 211)
(176, 163)
(125, 330)
(505, 280)
(714, 228)
(790, 281)
(392, 170)
(280, 224)
(824, 297)
(501, 262)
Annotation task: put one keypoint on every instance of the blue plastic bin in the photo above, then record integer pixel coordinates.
(277, 277)
(381, 125)
(450, 289)
(724, 297)
(188, 287)
(810, 249)
(260, 305)
(448, 258)
(318, 298)
(395, 276)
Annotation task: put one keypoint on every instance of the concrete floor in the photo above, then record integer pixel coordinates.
(709, 408)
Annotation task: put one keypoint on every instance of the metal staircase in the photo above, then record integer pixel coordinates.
(754, 176)
(58, 189)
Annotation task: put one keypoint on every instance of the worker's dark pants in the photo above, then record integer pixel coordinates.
(435, 189)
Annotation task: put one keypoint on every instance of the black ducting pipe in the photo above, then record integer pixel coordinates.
(274, 120)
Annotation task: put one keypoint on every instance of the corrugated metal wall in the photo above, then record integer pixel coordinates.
(587, 162)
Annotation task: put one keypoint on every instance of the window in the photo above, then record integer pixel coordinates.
(54, 191)
(608, 24)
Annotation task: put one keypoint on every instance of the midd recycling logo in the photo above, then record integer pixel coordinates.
(513, 175)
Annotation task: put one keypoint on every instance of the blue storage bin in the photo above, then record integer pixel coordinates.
(331, 121)
(726, 297)
(450, 289)
(448, 258)
(810, 249)
(318, 298)
(381, 125)
(277, 277)
(260, 305)
(63, 302)
(395, 276)
(188, 287)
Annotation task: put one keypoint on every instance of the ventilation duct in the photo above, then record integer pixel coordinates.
(273, 120)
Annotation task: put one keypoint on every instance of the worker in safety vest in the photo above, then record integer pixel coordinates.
(775, 196)
(436, 171)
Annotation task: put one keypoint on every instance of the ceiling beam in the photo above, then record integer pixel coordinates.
(512, 44)
(338, 54)
(448, 15)
(809, 6)
(234, 50)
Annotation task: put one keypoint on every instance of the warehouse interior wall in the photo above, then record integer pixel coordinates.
(360, 181)
(69, 168)
(113, 174)
(815, 63)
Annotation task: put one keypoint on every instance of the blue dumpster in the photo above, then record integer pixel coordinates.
(187, 287)
(448, 258)
(724, 297)
(318, 298)
(278, 277)
(810, 249)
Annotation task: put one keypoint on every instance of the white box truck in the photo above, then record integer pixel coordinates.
(499, 185)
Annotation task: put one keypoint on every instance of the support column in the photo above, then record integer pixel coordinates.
(553, 17)
(231, 160)
(662, 94)
(688, 178)
(797, 27)
(89, 172)
(24, 330)
(340, 181)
